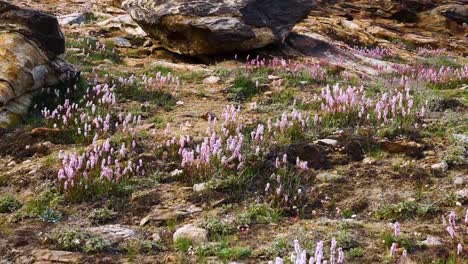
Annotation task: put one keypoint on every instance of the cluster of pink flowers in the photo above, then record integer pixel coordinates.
(352, 101)
(90, 116)
(158, 82)
(316, 71)
(225, 146)
(376, 53)
(300, 256)
(394, 247)
(430, 52)
(289, 192)
(98, 168)
(444, 74)
(453, 230)
(91, 47)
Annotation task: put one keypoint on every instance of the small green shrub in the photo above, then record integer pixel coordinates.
(456, 154)
(402, 240)
(35, 207)
(73, 239)
(223, 251)
(216, 227)
(101, 216)
(259, 214)
(135, 247)
(9, 204)
(234, 253)
(243, 88)
(183, 244)
(51, 216)
(345, 239)
(356, 252)
(279, 247)
(404, 210)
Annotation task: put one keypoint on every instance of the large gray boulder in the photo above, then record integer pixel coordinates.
(196, 27)
(30, 42)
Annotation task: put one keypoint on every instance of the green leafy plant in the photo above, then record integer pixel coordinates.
(259, 214)
(216, 227)
(51, 216)
(102, 215)
(73, 239)
(9, 204)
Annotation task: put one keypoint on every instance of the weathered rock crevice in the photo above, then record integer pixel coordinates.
(30, 45)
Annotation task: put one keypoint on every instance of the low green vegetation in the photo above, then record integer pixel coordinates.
(73, 239)
(9, 204)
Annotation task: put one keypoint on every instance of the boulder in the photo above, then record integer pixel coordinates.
(217, 26)
(455, 12)
(315, 155)
(195, 234)
(30, 42)
(328, 177)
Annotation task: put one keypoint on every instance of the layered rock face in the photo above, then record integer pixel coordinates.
(391, 24)
(30, 42)
(195, 27)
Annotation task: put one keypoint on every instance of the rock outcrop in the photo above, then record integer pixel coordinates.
(217, 26)
(30, 42)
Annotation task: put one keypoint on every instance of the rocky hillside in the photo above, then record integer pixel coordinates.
(293, 131)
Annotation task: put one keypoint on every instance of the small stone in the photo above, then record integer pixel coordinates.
(75, 18)
(431, 241)
(462, 194)
(410, 148)
(273, 77)
(440, 167)
(328, 176)
(121, 42)
(176, 172)
(268, 93)
(145, 220)
(369, 161)
(328, 141)
(195, 234)
(458, 181)
(350, 24)
(461, 138)
(12, 163)
(156, 237)
(211, 80)
(199, 187)
(180, 103)
(148, 43)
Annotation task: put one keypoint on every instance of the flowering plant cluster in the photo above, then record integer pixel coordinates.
(92, 49)
(90, 117)
(351, 106)
(157, 83)
(300, 256)
(316, 72)
(433, 75)
(376, 53)
(456, 232)
(98, 170)
(229, 149)
(430, 52)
